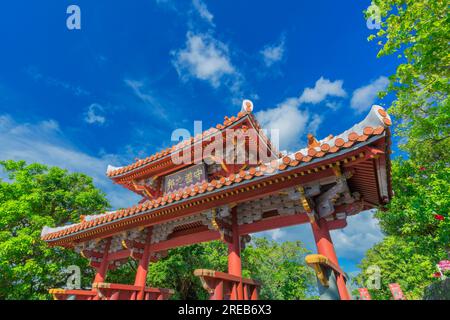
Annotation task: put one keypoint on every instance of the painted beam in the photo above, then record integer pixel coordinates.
(273, 223)
(185, 240)
(119, 255)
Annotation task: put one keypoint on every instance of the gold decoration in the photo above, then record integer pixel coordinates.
(305, 204)
(316, 261)
(215, 224)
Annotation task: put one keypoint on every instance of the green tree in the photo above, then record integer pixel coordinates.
(31, 197)
(416, 221)
(177, 270)
(419, 210)
(279, 267)
(417, 227)
(418, 31)
(399, 261)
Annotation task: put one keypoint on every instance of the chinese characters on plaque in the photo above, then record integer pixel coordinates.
(184, 178)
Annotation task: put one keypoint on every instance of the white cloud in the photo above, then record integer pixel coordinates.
(288, 120)
(302, 232)
(93, 115)
(316, 121)
(147, 97)
(333, 105)
(294, 123)
(44, 142)
(273, 53)
(276, 234)
(204, 58)
(202, 10)
(323, 88)
(361, 233)
(364, 97)
(50, 81)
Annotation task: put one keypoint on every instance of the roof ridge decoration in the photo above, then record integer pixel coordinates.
(374, 124)
(247, 108)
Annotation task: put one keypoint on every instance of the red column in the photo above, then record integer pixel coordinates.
(100, 276)
(234, 253)
(115, 295)
(325, 247)
(218, 291)
(234, 248)
(142, 269)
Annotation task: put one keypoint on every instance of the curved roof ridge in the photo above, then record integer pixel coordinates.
(117, 171)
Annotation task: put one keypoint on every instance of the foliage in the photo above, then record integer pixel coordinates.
(280, 268)
(177, 270)
(419, 32)
(420, 208)
(411, 264)
(34, 196)
(417, 225)
(416, 222)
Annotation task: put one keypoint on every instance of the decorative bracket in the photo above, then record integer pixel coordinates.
(215, 224)
(305, 203)
(220, 225)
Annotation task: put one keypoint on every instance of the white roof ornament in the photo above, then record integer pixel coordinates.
(377, 117)
(247, 106)
(112, 168)
(47, 230)
(95, 216)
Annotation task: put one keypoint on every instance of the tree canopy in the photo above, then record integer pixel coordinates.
(34, 196)
(416, 221)
(417, 233)
(280, 267)
(418, 32)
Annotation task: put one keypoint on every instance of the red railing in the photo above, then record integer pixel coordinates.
(113, 291)
(63, 294)
(224, 286)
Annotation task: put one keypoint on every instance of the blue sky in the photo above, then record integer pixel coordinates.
(137, 70)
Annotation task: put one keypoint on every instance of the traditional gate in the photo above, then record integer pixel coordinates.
(192, 196)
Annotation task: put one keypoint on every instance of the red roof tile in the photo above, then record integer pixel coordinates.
(228, 122)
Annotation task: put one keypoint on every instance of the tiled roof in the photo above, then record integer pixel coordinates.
(373, 125)
(113, 172)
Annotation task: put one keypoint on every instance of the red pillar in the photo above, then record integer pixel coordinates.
(100, 276)
(325, 247)
(218, 291)
(234, 253)
(234, 248)
(142, 269)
